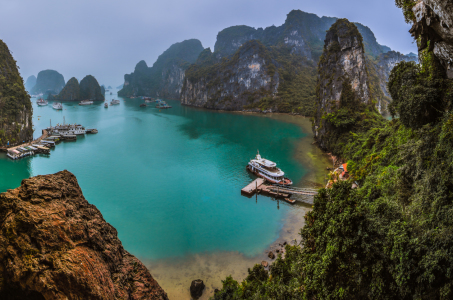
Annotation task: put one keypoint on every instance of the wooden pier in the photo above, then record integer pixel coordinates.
(252, 188)
(259, 186)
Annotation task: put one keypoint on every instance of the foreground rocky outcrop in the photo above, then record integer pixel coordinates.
(15, 105)
(342, 65)
(55, 245)
(433, 29)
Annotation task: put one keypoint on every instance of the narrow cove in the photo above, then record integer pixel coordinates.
(169, 182)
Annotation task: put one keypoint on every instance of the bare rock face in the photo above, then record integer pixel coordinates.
(343, 59)
(55, 245)
(232, 85)
(434, 22)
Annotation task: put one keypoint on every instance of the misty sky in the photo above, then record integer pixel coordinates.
(107, 38)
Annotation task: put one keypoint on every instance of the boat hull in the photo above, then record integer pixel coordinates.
(285, 181)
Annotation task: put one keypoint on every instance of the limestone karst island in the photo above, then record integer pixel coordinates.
(279, 150)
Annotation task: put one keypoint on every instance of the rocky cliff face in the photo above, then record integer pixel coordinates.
(90, 89)
(433, 28)
(172, 81)
(294, 49)
(71, 91)
(303, 32)
(343, 62)
(15, 106)
(30, 83)
(384, 65)
(48, 81)
(165, 77)
(55, 245)
(244, 79)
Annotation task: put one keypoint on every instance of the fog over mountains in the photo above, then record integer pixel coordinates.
(115, 35)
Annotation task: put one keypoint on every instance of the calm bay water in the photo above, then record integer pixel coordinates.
(169, 181)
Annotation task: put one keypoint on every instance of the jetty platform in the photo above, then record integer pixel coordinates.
(42, 137)
(287, 193)
(251, 188)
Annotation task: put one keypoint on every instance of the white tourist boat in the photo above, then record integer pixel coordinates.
(114, 102)
(67, 129)
(57, 106)
(268, 170)
(86, 102)
(106, 105)
(41, 102)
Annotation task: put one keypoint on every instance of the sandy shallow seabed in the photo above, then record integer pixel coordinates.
(175, 275)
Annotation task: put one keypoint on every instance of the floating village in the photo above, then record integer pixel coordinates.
(51, 136)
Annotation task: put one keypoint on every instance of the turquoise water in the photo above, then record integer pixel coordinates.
(169, 181)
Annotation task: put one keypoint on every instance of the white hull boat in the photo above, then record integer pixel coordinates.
(268, 170)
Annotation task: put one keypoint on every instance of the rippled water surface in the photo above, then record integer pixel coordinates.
(169, 181)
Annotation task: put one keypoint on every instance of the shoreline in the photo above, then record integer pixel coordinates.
(175, 275)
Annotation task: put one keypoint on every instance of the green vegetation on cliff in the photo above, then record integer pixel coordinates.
(145, 81)
(70, 92)
(90, 89)
(48, 81)
(294, 50)
(392, 237)
(15, 106)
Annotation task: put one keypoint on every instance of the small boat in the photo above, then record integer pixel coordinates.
(143, 105)
(111, 93)
(106, 105)
(114, 102)
(93, 130)
(163, 105)
(41, 102)
(268, 170)
(57, 106)
(86, 102)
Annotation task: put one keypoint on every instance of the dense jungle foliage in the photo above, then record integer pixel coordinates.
(391, 238)
(14, 100)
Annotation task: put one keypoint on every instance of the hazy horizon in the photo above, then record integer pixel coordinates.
(107, 39)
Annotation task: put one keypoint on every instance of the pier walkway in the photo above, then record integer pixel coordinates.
(43, 136)
(289, 194)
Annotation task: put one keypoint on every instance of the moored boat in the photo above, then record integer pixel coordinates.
(106, 105)
(163, 105)
(86, 102)
(57, 106)
(41, 102)
(268, 170)
(114, 102)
